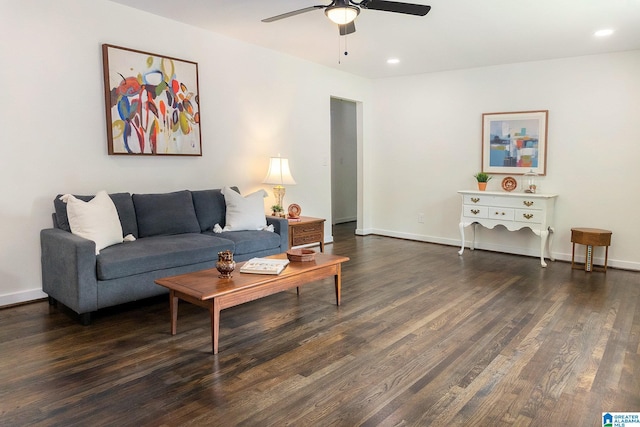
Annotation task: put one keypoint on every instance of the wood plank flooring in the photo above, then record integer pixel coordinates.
(423, 337)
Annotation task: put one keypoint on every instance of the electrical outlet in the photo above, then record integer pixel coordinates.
(421, 218)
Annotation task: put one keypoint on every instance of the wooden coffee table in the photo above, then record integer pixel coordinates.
(205, 289)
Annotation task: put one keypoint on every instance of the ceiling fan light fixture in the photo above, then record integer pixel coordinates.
(342, 14)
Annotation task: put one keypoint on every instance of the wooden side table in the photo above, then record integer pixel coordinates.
(590, 237)
(306, 230)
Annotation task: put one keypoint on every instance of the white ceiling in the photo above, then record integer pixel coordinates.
(455, 34)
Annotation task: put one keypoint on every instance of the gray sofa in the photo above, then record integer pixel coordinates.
(173, 234)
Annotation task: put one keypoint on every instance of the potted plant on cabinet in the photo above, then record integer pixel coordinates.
(277, 210)
(482, 179)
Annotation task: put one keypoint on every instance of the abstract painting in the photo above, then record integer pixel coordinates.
(152, 103)
(515, 143)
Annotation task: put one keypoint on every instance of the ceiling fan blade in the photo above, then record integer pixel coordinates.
(347, 28)
(293, 13)
(397, 7)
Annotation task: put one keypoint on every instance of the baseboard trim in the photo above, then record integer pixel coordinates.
(21, 297)
(363, 231)
(613, 263)
(344, 220)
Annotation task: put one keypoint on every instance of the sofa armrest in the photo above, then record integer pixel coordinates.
(69, 269)
(280, 226)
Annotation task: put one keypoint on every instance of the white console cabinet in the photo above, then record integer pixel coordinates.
(511, 210)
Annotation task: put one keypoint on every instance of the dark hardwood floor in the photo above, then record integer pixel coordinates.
(423, 337)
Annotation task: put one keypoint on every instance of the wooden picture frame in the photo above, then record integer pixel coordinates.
(152, 103)
(515, 143)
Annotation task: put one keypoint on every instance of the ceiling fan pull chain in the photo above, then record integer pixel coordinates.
(340, 48)
(345, 46)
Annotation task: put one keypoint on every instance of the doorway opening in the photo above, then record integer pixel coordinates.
(345, 193)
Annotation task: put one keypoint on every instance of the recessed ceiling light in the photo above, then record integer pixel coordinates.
(393, 61)
(603, 33)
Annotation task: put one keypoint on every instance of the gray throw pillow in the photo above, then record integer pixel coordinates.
(165, 214)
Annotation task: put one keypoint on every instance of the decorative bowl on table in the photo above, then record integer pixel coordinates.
(298, 255)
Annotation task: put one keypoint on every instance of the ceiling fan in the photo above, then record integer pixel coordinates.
(343, 12)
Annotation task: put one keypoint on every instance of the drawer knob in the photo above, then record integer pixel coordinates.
(527, 203)
(475, 199)
(475, 211)
(527, 215)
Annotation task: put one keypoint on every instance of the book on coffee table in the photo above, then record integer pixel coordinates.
(264, 266)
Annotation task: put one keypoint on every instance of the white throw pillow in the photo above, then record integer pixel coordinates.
(244, 213)
(95, 220)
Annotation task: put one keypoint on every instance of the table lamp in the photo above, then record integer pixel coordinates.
(279, 175)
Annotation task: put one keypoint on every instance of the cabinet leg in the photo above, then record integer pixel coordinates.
(549, 246)
(543, 244)
(474, 227)
(461, 226)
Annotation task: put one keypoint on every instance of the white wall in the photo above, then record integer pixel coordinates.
(428, 140)
(255, 103)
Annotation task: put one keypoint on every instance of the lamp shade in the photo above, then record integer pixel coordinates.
(279, 173)
(342, 14)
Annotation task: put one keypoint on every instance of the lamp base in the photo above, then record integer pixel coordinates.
(278, 192)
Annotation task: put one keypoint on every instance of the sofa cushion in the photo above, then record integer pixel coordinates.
(244, 213)
(158, 253)
(246, 242)
(124, 206)
(96, 220)
(165, 214)
(210, 208)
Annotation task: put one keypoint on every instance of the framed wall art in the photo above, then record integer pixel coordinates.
(152, 103)
(515, 143)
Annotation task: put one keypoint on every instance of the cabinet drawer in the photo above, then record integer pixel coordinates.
(477, 200)
(498, 212)
(522, 202)
(306, 238)
(307, 229)
(525, 215)
(471, 211)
